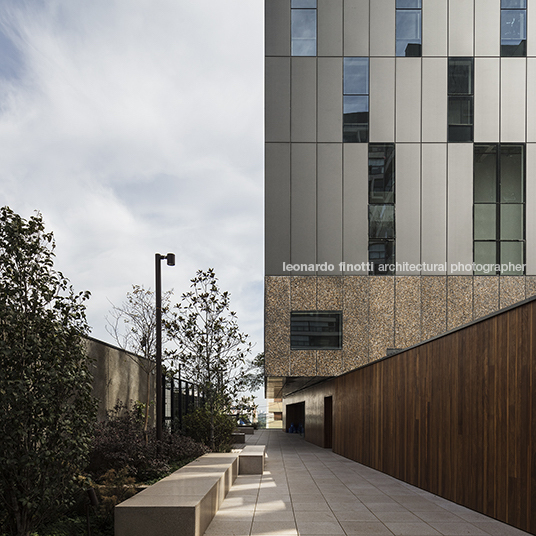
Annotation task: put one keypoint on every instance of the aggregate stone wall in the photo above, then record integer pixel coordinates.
(379, 312)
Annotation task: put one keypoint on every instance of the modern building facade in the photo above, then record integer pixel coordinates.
(400, 175)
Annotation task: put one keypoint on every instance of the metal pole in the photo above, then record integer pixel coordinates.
(180, 398)
(159, 397)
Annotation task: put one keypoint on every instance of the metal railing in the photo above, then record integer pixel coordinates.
(180, 397)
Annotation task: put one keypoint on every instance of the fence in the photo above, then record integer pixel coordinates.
(180, 397)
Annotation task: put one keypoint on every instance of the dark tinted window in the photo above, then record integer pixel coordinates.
(460, 90)
(316, 329)
(381, 174)
(499, 209)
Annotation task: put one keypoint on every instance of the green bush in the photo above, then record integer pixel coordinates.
(197, 426)
(120, 444)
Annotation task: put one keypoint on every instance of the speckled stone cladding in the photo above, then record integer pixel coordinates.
(378, 312)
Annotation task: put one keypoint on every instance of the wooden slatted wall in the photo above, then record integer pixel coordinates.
(455, 416)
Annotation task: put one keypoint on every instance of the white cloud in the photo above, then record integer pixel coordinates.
(137, 127)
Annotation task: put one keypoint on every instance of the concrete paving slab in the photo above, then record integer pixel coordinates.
(306, 490)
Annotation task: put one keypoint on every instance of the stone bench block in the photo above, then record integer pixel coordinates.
(183, 503)
(252, 460)
(238, 437)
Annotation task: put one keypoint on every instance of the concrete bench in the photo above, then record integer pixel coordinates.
(183, 503)
(238, 437)
(252, 460)
(249, 430)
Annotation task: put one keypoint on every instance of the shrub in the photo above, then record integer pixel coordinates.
(119, 444)
(197, 426)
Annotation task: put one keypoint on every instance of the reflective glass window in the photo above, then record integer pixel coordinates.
(316, 329)
(355, 119)
(512, 173)
(512, 255)
(485, 222)
(356, 100)
(512, 222)
(356, 76)
(513, 28)
(499, 210)
(460, 100)
(381, 221)
(303, 4)
(521, 4)
(381, 178)
(485, 255)
(303, 26)
(460, 80)
(381, 257)
(485, 173)
(408, 4)
(408, 28)
(381, 174)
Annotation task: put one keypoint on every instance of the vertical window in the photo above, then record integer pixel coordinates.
(408, 27)
(303, 27)
(381, 206)
(499, 209)
(356, 100)
(513, 27)
(460, 93)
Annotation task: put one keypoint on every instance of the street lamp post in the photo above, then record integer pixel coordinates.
(170, 257)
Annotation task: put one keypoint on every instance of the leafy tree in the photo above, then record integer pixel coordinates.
(133, 327)
(254, 377)
(45, 384)
(211, 349)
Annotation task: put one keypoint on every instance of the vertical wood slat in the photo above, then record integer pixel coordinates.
(455, 416)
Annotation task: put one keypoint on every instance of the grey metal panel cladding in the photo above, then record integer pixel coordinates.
(382, 27)
(355, 204)
(329, 230)
(434, 99)
(531, 28)
(487, 27)
(461, 27)
(460, 206)
(303, 204)
(277, 208)
(434, 205)
(486, 119)
(329, 100)
(277, 100)
(408, 99)
(531, 101)
(408, 204)
(530, 224)
(277, 27)
(303, 104)
(513, 99)
(356, 27)
(434, 27)
(382, 99)
(330, 27)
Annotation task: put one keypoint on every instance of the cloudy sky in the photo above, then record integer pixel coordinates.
(136, 127)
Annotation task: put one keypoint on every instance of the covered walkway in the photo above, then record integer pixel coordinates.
(307, 490)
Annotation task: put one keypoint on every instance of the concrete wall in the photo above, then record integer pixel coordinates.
(117, 377)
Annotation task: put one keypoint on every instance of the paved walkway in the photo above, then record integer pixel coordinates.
(309, 490)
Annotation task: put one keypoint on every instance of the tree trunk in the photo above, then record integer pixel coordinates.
(212, 438)
(147, 402)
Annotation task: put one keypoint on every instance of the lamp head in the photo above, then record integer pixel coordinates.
(170, 259)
